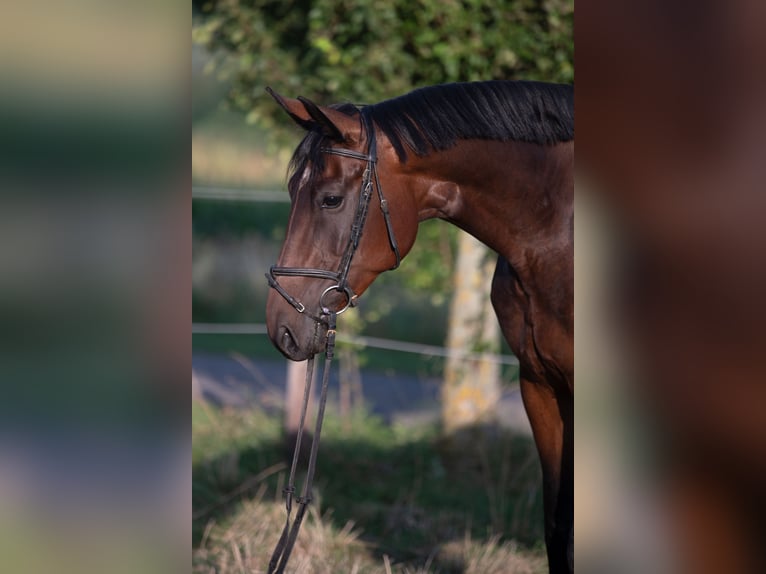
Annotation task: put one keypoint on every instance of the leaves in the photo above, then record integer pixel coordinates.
(368, 50)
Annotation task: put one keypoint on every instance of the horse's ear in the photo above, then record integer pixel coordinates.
(294, 108)
(308, 115)
(329, 127)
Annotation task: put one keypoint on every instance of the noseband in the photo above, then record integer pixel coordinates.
(340, 277)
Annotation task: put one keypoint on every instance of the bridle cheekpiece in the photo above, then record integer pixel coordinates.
(340, 277)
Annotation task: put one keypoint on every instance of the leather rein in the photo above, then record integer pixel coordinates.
(327, 317)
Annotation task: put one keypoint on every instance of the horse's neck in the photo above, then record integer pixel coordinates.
(510, 196)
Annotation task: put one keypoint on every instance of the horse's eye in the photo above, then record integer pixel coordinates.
(332, 201)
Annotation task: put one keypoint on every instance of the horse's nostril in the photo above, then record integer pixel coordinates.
(287, 338)
(287, 342)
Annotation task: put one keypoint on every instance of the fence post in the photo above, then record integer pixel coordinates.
(296, 379)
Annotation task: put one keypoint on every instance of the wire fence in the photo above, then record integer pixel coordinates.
(219, 193)
(361, 341)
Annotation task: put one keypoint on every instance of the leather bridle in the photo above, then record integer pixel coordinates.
(340, 277)
(327, 316)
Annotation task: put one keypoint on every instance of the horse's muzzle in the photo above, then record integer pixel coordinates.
(295, 335)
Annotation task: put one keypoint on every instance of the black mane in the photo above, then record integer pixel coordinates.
(436, 117)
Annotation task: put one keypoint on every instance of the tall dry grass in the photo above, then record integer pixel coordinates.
(244, 545)
(415, 509)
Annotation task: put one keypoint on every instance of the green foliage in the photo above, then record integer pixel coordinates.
(368, 50)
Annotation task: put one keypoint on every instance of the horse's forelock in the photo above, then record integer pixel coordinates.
(308, 156)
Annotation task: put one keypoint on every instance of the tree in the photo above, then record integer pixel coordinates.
(471, 388)
(294, 397)
(368, 50)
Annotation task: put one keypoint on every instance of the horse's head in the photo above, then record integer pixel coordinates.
(341, 234)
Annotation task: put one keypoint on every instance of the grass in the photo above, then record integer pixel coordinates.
(246, 543)
(387, 499)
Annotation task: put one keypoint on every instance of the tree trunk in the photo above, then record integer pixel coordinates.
(471, 388)
(296, 381)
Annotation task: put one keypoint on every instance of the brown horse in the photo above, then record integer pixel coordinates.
(493, 158)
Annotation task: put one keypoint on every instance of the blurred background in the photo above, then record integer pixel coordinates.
(94, 213)
(428, 451)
